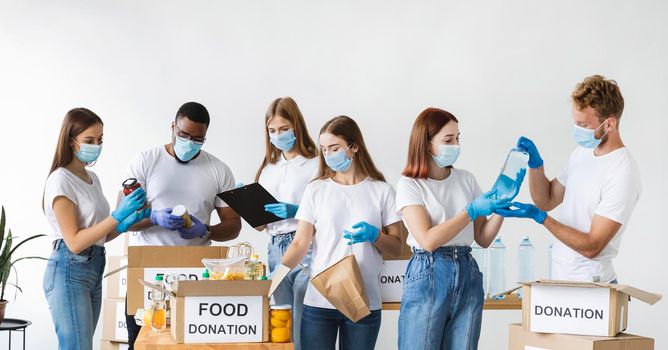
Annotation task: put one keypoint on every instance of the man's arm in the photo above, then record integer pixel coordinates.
(546, 194)
(589, 244)
(229, 226)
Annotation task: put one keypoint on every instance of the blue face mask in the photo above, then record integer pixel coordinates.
(284, 141)
(88, 153)
(585, 137)
(447, 155)
(185, 150)
(338, 161)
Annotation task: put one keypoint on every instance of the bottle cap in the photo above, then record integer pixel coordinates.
(281, 307)
(159, 278)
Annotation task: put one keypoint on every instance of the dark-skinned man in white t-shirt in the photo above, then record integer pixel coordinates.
(182, 173)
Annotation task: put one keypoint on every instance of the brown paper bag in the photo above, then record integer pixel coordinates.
(342, 285)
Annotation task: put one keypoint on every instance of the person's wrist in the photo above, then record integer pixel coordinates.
(207, 232)
(540, 217)
(470, 210)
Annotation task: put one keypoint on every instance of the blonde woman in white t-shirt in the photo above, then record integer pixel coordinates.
(78, 214)
(348, 208)
(444, 211)
(289, 164)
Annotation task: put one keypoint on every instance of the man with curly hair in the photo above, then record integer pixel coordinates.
(597, 190)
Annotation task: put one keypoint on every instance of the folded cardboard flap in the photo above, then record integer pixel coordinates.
(644, 296)
(218, 287)
(141, 256)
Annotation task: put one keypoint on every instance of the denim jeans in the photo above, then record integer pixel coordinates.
(320, 327)
(293, 288)
(441, 307)
(73, 288)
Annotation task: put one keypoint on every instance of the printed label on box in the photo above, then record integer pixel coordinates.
(392, 280)
(570, 310)
(223, 319)
(123, 278)
(191, 273)
(120, 324)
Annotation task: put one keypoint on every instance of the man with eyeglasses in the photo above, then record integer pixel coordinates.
(180, 172)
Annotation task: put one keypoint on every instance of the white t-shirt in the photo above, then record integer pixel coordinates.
(286, 181)
(332, 208)
(608, 186)
(443, 199)
(169, 183)
(89, 199)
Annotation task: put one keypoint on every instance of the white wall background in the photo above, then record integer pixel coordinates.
(504, 68)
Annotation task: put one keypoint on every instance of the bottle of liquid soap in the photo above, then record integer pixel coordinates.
(497, 267)
(506, 183)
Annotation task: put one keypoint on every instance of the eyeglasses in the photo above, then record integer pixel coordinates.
(184, 136)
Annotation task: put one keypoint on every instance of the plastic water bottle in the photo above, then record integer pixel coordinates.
(480, 255)
(497, 267)
(525, 261)
(506, 184)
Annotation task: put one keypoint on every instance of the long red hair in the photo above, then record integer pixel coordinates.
(427, 124)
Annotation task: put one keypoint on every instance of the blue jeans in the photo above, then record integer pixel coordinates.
(73, 288)
(293, 288)
(441, 307)
(320, 327)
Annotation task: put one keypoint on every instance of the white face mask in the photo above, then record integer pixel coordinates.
(447, 155)
(585, 137)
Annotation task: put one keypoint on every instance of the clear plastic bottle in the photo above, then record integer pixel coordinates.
(480, 255)
(497, 267)
(158, 314)
(525, 261)
(505, 184)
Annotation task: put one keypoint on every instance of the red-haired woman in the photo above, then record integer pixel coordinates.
(444, 211)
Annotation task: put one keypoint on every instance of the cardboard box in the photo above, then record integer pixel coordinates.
(110, 345)
(117, 283)
(392, 280)
(220, 311)
(114, 326)
(144, 263)
(584, 308)
(521, 339)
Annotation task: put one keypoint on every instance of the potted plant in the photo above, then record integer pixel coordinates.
(7, 264)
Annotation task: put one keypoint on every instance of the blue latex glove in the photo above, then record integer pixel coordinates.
(129, 204)
(523, 211)
(165, 219)
(197, 230)
(485, 205)
(365, 232)
(535, 161)
(282, 210)
(132, 219)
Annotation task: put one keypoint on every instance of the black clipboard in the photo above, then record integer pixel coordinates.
(249, 201)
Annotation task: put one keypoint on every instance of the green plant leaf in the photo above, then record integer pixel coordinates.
(2, 228)
(4, 257)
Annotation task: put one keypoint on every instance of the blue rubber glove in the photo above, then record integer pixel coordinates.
(282, 210)
(523, 211)
(365, 232)
(165, 219)
(535, 161)
(129, 204)
(132, 219)
(485, 205)
(197, 230)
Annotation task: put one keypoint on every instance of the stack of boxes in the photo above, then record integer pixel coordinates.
(577, 316)
(114, 326)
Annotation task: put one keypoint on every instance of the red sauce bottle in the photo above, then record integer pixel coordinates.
(130, 185)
